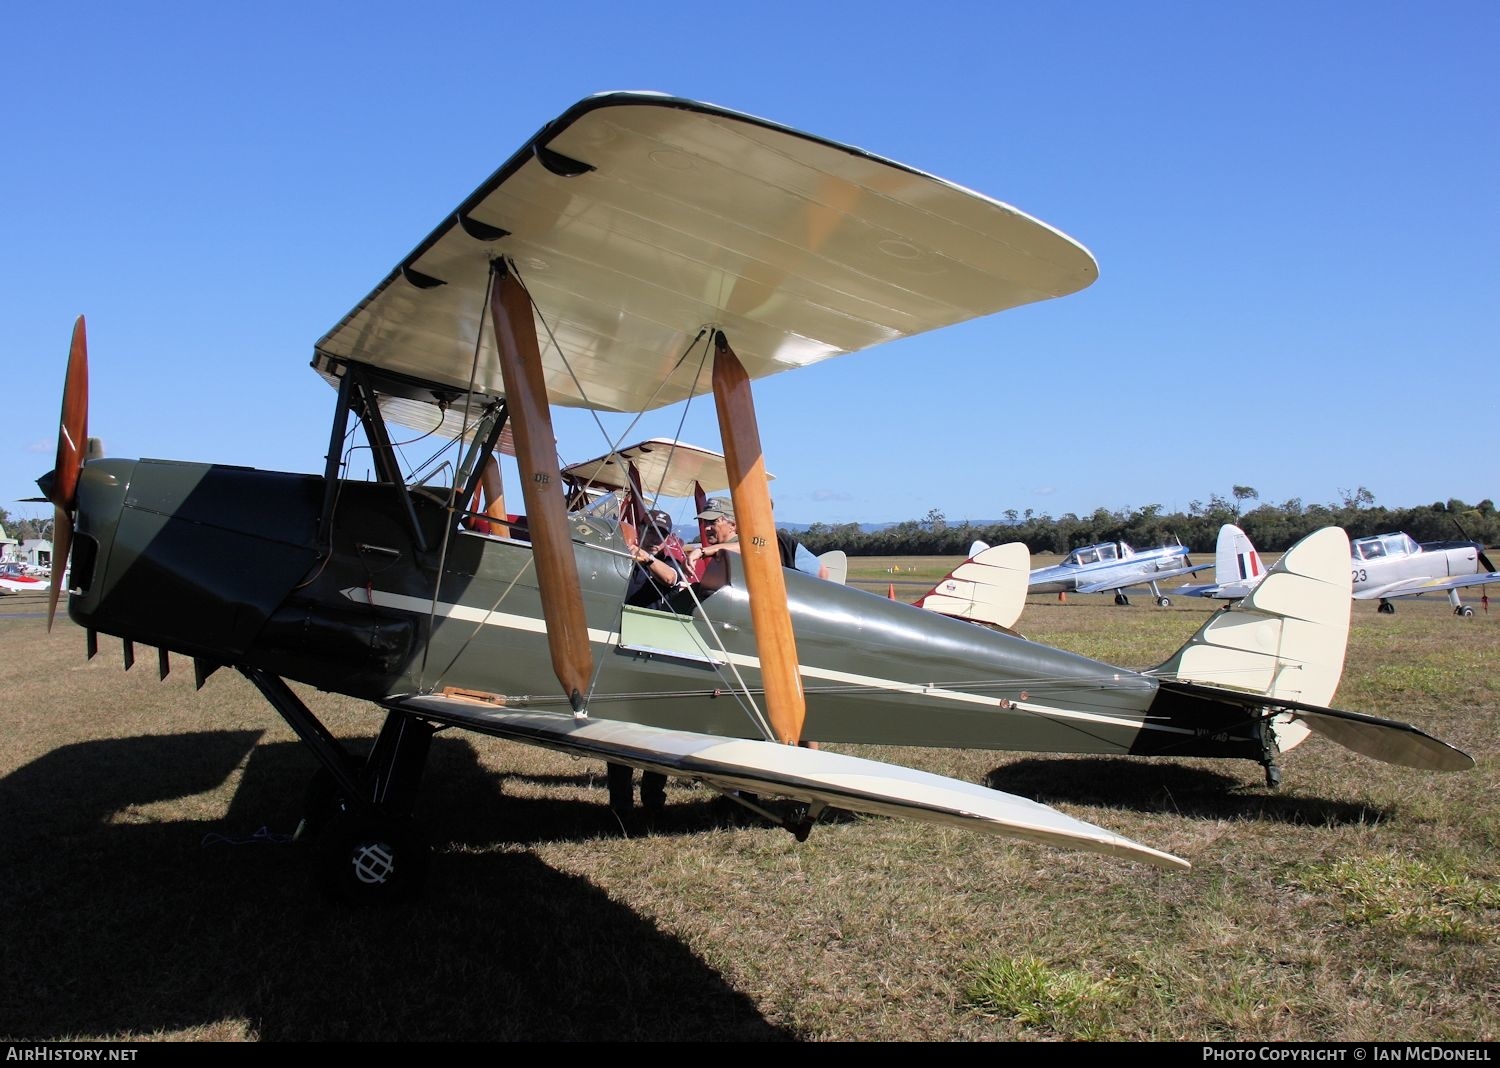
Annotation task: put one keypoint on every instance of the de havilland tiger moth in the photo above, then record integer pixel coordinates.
(640, 251)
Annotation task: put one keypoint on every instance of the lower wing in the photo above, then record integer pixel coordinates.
(1416, 586)
(812, 776)
(1127, 581)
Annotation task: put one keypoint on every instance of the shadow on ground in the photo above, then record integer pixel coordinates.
(1161, 786)
(121, 920)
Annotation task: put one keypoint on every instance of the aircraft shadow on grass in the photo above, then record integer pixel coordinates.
(1195, 793)
(108, 922)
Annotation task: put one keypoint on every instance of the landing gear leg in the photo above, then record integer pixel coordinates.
(1459, 608)
(1270, 753)
(1161, 601)
(368, 848)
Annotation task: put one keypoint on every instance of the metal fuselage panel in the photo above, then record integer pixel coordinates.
(223, 563)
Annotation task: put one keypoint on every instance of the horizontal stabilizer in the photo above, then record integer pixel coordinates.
(1387, 740)
(807, 775)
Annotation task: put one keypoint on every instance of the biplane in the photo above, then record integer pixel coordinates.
(642, 251)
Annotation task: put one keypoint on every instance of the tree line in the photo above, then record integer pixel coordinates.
(1272, 527)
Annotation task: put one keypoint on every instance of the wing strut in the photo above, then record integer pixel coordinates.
(541, 485)
(750, 489)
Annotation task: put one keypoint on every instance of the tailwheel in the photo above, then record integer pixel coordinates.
(367, 858)
(1121, 599)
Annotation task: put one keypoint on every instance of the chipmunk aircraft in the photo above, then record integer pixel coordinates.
(1115, 566)
(1237, 568)
(639, 251)
(1392, 566)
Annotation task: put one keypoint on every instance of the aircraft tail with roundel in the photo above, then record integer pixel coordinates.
(1237, 567)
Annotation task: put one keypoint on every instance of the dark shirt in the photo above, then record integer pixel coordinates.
(647, 588)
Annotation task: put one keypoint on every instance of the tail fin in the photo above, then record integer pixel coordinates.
(989, 587)
(1286, 639)
(1235, 558)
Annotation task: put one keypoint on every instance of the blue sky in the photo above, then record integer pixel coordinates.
(1293, 207)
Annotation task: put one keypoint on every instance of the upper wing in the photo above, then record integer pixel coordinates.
(666, 467)
(1411, 587)
(1121, 582)
(635, 219)
(808, 775)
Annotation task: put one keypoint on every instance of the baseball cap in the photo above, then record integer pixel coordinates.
(658, 527)
(716, 507)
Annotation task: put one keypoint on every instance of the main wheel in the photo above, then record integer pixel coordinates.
(1465, 610)
(1386, 608)
(366, 858)
(1164, 602)
(1120, 598)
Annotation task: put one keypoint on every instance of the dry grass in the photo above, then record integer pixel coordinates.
(148, 889)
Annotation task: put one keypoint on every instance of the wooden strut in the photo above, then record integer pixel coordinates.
(775, 642)
(541, 486)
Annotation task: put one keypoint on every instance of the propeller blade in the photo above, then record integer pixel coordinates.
(61, 486)
(62, 544)
(1485, 560)
(73, 427)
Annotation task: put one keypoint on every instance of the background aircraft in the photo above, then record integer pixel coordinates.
(1113, 565)
(1237, 568)
(671, 249)
(1391, 566)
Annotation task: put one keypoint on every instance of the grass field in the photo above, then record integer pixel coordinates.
(149, 888)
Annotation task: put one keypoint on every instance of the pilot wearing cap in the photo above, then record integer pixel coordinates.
(718, 512)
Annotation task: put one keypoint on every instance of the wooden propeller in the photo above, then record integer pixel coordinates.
(72, 445)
